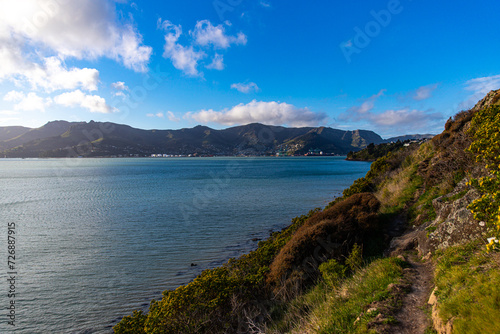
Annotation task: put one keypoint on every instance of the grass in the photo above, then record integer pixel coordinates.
(455, 197)
(399, 189)
(468, 282)
(335, 303)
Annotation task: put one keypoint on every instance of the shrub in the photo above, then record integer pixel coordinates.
(332, 272)
(355, 259)
(485, 128)
(328, 234)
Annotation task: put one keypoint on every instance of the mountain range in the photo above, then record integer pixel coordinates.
(97, 139)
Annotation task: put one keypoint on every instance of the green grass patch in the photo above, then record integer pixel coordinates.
(335, 303)
(468, 282)
(456, 196)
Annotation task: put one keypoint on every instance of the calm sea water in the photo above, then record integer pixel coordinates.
(99, 238)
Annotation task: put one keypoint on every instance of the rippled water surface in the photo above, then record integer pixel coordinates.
(98, 238)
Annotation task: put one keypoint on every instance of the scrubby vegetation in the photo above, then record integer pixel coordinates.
(373, 152)
(485, 128)
(326, 235)
(326, 272)
(336, 302)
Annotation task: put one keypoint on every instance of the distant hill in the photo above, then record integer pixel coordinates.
(66, 139)
(17, 136)
(9, 132)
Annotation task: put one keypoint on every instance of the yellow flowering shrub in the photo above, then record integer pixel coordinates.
(485, 131)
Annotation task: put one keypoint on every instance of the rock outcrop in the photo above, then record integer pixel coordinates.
(491, 99)
(454, 223)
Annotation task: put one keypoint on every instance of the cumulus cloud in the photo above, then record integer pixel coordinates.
(77, 98)
(33, 102)
(424, 92)
(13, 96)
(217, 63)
(29, 102)
(270, 113)
(85, 29)
(53, 76)
(245, 88)
(119, 88)
(206, 34)
(183, 58)
(119, 85)
(204, 39)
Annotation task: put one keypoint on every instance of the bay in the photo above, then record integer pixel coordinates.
(99, 238)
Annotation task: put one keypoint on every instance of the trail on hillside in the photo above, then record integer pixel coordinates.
(412, 317)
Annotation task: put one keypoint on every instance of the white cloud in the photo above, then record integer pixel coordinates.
(424, 92)
(13, 96)
(183, 58)
(217, 63)
(53, 76)
(9, 112)
(119, 88)
(270, 113)
(483, 85)
(119, 85)
(77, 98)
(85, 29)
(30, 102)
(245, 88)
(358, 112)
(172, 117)
(159, 115)
(8, 119)
(402, 120)
(33, 102)
(479, 88)
(265, 4)
(50, 76)
(406, 118)
(204, 39)
(206, 34)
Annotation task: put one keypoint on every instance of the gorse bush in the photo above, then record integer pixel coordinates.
(328, 234)
(485, 129)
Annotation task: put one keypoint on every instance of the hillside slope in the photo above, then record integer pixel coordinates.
(9, 132)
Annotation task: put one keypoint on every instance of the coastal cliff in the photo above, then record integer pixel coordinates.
(409, 248)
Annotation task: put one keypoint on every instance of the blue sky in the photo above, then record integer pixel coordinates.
(394, 67)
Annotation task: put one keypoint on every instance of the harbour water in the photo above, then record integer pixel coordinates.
(96, 239)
